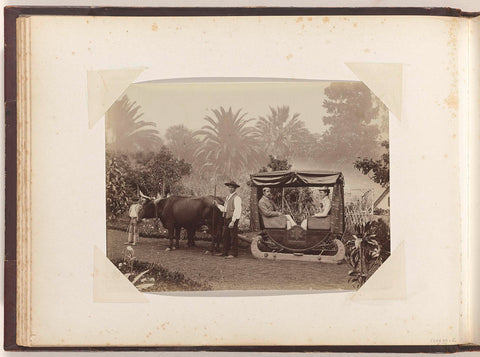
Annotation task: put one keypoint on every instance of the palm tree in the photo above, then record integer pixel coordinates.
(181, 142)
(281, 135)
(229, 145)
(125, 132)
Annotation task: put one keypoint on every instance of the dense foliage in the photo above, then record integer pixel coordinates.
(157, 172)
(276, 165)
(352, 128)
(116, 187)
(378, 170)
(150, 172)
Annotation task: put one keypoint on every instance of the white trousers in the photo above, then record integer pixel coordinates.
(290, 221)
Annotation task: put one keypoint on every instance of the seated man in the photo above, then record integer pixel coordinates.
(268, 208)
(325, 205)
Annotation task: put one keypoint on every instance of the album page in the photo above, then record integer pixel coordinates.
(184, 107)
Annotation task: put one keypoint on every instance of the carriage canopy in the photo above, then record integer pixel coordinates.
(297, 178)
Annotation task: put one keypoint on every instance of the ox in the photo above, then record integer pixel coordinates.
(190, 213)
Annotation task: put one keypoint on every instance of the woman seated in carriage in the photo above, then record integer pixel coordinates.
(324, 206)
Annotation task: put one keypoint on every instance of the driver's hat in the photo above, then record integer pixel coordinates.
(232, 184)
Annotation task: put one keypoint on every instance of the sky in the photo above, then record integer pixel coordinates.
(170, 104)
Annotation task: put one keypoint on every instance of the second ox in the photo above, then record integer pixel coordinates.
(190, 213)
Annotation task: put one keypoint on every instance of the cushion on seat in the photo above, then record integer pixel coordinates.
(322, 223)
(275, 222)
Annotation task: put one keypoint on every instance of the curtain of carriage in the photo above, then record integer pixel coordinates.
(254, 218)
(337, 214)
(299, 178)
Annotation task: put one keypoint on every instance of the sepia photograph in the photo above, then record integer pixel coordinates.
(247, 184)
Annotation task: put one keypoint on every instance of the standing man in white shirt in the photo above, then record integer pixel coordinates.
(133, 226)
(232, 210)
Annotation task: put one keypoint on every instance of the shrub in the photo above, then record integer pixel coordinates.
(155, 277)
(367, 247)
(115, 186)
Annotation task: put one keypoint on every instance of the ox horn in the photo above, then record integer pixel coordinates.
(157, 198)
(144, 196)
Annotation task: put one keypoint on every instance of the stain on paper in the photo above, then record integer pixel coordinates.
(452, 100)
(154, 27)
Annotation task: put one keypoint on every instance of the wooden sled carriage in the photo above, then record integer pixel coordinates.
(320, 242)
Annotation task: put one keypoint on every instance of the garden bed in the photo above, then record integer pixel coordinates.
(155, 277)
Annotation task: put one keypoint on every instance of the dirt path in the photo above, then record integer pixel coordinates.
(242, 273)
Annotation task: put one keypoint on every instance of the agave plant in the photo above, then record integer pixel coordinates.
(363, 253)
